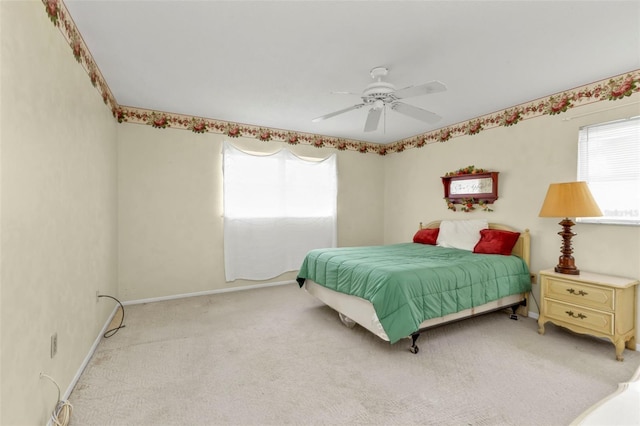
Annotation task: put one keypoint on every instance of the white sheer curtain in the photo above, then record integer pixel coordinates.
(277, 207)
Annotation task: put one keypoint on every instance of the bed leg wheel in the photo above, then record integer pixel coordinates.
(414, 349)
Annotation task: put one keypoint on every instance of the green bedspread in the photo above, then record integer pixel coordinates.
(410, 283)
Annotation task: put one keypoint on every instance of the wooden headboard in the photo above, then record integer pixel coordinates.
(522, 248)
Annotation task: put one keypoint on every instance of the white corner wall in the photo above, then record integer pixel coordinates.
(170, 208)
(57, 213)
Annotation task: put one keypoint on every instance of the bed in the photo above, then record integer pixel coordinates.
(399, 290)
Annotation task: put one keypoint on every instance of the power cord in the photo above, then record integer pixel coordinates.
(113, 331)
(534, 299)
(61, 415)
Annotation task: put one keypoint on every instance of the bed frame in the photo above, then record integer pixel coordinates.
(355, 310)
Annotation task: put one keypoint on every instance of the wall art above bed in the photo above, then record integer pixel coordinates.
(469, 187)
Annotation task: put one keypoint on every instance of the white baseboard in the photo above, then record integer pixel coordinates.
(206, 293)
(85, 362)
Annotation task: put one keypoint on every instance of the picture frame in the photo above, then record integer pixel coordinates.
(481, 187)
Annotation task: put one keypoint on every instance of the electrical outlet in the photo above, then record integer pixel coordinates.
(97, 296)
(54, 344)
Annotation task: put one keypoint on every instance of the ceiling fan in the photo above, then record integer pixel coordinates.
(380, 94)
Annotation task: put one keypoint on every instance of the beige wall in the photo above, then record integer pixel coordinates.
(529, 156)
(170, 208)
(57, 215)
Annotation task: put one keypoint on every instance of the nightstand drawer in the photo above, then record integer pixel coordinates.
(579, 293)
(578, 315)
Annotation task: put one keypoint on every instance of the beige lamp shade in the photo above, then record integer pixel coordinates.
(570, 199)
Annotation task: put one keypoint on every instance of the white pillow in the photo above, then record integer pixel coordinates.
(461, 234)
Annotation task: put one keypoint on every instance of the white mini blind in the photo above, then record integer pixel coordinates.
(609, 161)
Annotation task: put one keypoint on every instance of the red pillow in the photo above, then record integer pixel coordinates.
(495, 241)
(427, 236)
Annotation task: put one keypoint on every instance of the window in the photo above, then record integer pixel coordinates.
(276, 208)
(609, 161)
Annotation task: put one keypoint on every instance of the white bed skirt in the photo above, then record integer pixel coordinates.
(362, 312)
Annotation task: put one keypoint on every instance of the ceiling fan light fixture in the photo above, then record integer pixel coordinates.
(378, 104)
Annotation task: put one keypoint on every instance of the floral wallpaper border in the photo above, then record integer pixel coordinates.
(615, 88)
(59, 16)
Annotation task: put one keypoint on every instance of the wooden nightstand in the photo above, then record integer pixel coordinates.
(600, 305)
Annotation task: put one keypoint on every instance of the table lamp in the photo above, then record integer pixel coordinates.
(570, 199)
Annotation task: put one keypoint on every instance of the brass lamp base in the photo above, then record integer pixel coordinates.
(566, 262)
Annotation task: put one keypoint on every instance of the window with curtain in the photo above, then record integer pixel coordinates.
(277, 207)
(609, 161)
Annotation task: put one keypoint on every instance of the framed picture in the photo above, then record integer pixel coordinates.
(481, 187)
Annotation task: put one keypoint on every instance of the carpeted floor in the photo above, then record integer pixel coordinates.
(278, 356)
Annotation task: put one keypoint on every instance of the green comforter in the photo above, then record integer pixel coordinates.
(410, 283)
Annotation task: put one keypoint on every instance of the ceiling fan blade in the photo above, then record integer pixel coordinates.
(373, 118)
(333, 114)
(423, 89)
(345, 93)
(415, 112)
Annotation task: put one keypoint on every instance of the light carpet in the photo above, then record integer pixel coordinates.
(276, 355)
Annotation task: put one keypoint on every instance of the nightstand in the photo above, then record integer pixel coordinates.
(589, 303)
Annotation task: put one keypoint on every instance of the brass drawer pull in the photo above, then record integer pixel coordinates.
(571, 314)
(579, 292)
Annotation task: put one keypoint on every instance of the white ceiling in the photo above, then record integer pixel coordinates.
(276, 63)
